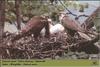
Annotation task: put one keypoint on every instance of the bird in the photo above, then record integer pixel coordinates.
(71, 25)
(34, 26)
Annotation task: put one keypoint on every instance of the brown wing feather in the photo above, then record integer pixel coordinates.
(71, 24)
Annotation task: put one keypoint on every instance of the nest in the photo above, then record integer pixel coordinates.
(55, 46)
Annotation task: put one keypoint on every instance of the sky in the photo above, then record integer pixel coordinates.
(96, 3)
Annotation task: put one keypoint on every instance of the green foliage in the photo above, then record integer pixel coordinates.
(30, 8)
(10, 16)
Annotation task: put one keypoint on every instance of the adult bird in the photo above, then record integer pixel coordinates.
(34, 26)
(72, 26)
